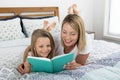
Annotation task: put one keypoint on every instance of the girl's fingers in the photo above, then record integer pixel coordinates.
(21, 68)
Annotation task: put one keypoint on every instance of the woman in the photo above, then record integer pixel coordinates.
(73, 39)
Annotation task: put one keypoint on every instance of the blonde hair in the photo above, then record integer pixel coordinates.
(42, 33)
(77, 24)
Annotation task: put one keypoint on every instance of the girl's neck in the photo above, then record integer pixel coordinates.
(68, 49)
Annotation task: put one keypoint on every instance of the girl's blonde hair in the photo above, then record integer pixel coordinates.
(77, 24)
(42, 33)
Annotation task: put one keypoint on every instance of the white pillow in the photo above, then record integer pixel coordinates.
(31, 24)
(11, 29)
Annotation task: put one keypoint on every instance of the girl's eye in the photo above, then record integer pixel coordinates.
(48, 45)
(40, 46)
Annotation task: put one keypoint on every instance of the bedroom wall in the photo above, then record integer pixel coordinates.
(98, 18)
(90, 10)
(85, 7)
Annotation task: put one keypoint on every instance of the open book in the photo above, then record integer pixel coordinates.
(56, 64)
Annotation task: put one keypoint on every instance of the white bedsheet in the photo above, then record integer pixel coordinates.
(11, 55)
(102, 49)
(11, 52)
(14, 43)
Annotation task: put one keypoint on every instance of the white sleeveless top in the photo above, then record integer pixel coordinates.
(59, 49)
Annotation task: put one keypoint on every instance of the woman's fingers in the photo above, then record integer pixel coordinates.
(72, 65)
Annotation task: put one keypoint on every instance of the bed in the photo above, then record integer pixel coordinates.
(16, 26)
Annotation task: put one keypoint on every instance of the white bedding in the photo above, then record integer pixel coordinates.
(102, 49)
(11, 54)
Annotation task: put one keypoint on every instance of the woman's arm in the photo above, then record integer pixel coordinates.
(79, 61)
(81, 58)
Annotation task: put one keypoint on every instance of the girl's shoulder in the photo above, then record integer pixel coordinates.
(29, 53)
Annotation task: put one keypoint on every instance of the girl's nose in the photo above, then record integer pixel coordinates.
(45, 48)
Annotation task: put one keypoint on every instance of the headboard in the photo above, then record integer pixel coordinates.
(28, 11)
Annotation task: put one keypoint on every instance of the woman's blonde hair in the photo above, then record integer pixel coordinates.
(42, 33)
(77, 24)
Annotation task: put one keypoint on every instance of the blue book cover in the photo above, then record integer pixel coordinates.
(56, 64)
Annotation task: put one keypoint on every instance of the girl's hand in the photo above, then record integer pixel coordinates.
(24, 68)
(72, 65)
(20, 68)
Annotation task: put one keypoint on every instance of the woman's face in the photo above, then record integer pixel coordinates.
(43, 46)
(69, 35)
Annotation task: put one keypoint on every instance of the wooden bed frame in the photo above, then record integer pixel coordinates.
(8, 12)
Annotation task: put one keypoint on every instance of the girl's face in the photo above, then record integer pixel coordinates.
(69, 35)
(43, 46)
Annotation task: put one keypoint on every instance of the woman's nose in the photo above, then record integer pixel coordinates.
(67, 36)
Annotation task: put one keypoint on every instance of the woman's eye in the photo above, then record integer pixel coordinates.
(40, 46)
(64, 32)
(73, 34)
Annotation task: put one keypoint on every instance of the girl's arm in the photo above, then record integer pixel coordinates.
(21, 68)
(24, 68)
(26, 53)
(27, 67)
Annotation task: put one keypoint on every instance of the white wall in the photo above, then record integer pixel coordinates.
(92, 11)
(85, 6)
(98, 18)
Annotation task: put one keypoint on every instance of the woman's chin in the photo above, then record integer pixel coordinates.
(68, 45)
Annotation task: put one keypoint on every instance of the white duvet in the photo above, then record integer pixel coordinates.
(11, 55)
(11, 52)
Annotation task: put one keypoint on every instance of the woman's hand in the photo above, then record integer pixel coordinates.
(72, 65)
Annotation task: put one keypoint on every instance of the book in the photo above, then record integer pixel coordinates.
(56, 64)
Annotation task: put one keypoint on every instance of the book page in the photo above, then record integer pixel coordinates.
(61, 60)
(39, 64)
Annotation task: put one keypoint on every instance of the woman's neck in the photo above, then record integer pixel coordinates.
(68, 49)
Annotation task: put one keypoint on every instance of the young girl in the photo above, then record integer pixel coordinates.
(42, 45)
